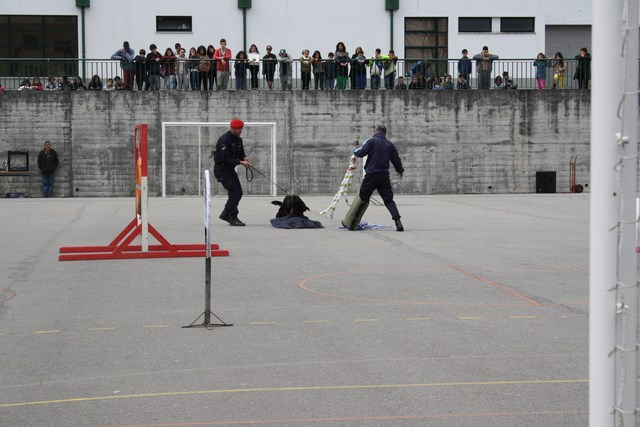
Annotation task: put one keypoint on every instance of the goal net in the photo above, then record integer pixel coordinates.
(187, 149)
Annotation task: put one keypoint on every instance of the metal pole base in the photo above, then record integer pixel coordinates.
(207, 323)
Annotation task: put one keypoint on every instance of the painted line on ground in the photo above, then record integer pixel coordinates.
(497, 286)
(360, 320)
(307, 421)
(294, 389)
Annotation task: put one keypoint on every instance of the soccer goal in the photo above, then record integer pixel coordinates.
(187, 148)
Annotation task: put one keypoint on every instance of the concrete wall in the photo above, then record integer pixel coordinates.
(450, 142)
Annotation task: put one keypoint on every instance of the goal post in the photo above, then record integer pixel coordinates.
(169, 141)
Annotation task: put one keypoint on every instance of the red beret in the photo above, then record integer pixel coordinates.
(237, 124)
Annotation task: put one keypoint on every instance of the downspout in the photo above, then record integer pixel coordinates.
(391, 29)
(244, 28)
(84, 48)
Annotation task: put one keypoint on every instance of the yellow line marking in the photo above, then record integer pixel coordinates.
(1, 334)
(54, 331)
(289, 389)
(418, 318)
(315, 321)
(102, 329)
(524, 317)
(469, 318)
(366, 320)
(262, 323)
(156, 326)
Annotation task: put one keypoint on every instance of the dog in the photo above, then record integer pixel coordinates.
(292, 205)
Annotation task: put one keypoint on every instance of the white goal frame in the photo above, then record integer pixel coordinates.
(200, 125)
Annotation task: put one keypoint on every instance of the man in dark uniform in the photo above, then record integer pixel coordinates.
(229, 154)
(380, 152)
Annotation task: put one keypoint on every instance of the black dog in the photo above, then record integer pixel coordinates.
(292, 205)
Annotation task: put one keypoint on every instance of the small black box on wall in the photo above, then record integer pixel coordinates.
(545, 182)
(18, 161)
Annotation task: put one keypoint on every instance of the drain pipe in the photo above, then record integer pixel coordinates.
(82, 4)
(244, 5)
(391, 5)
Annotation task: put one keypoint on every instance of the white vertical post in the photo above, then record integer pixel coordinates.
(199, 157)
(164, 161)
(627, 298)
(274, 174)
(144, 213)
(605, 206)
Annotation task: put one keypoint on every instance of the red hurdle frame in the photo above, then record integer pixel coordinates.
(121, 247)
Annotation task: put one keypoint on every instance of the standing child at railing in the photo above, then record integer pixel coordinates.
(141, 70)
(254, 65)
(222, 57)
(390, 70)
(240, 68)
(318, 70)
(182, 69)
(559, 70)
(330, 71)
(305, 69)
(541, 63)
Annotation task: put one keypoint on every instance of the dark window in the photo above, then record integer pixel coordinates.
(173, 23)
(474, 25)
(517, 25)
(26, 38)
(426, 39)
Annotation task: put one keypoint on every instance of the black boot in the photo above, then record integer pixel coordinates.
(235, 222)
(224, 215)
(399, 226)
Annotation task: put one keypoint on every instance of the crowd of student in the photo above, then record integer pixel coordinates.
(208, 68)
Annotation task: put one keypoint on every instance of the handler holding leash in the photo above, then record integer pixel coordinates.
(380, 152)
(229, 154)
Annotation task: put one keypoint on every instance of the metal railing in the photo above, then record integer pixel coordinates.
(522, 71)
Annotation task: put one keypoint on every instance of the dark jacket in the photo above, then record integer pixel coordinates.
(269, 62)
(330, 68)
(380, 152)
(48, 163)
(229, 152)
(583, 68)
(464, 67)
(153, 66)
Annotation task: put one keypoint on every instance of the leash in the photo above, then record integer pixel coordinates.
(249, 175)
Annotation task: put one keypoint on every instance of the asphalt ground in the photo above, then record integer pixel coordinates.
(476, 315)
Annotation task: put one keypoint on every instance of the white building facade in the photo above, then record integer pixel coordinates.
(94, 29)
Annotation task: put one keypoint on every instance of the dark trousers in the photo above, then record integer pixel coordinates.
(306, 79)
(253, 69)
(47, 184)
(231, 183)
(382, 183)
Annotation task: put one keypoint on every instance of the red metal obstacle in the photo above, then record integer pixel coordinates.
(121, 247)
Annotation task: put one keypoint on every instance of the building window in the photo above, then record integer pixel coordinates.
(24, 38)
(174, 23)
(426, 39)
(474, 25)
(517, 25)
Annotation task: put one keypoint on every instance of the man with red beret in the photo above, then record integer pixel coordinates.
(229, 154)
